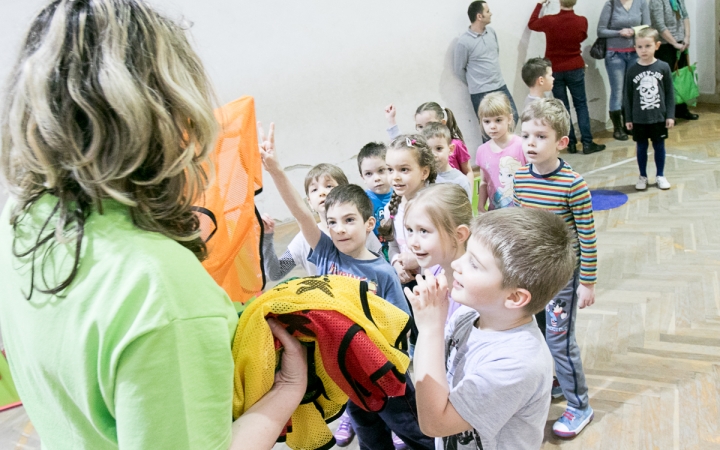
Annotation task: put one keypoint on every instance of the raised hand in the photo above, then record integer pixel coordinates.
(267, 148)
(390, 112)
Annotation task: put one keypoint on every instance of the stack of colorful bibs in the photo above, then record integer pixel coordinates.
(356, 345)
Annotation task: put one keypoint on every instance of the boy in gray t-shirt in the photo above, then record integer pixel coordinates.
(487, 385)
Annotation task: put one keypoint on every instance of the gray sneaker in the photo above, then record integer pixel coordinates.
(641, 184)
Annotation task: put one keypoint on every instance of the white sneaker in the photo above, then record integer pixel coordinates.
(662, 183)
(641, 184)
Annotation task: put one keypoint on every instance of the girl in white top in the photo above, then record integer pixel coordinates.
(437, 227)
(411, 166)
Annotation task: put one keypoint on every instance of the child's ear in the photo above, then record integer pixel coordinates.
(462, 233)
(425, 174)
(563, 142)
(370, 224)
(657, 45)
(452, 148)
(444, 122)
(518, 298)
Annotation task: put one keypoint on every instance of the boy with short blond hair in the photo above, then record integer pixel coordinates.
(439, 139)
(493, 392)
(549, 183)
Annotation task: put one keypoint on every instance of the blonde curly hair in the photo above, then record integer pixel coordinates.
(107, 101)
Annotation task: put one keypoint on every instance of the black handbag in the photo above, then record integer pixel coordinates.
(599, 48)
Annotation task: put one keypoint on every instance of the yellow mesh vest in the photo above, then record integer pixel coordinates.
(256, 359)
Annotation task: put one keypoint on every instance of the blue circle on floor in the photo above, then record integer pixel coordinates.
(606, 199)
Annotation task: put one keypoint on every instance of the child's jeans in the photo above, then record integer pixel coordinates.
(560, 316)
(399, 415)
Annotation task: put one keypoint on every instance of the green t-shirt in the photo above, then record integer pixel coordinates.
(135, 354)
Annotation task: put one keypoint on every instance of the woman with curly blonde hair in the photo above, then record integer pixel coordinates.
(109, 319)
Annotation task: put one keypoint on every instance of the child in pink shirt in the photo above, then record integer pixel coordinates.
(501, 156)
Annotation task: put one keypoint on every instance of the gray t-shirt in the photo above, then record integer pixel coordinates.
(477, 61)
(456, 177)
(500, 383)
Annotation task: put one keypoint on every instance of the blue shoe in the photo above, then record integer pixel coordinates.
(573, 421)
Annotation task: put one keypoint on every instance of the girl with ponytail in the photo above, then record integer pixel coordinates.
(433, 112)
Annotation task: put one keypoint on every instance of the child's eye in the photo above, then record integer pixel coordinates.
(524, 135)
(472, 264)
(405, 170)
(381, 171)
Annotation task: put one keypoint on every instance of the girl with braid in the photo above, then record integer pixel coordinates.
(411, 166)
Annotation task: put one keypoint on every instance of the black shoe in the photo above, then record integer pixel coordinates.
(572, 148)
(689, 116)
(592, 148)
(618, 126)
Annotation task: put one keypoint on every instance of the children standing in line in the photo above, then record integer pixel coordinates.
(549, 183)
(437, 227)
(319, 181)
(374, 172)
(349, 214)
(432, 112)
(649, 104)
(439, 140)
(411, 166)
(488, 386)
(501, 156)
(538, 76)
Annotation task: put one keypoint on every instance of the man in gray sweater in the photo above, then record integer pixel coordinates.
(477, 57)
(671, 19)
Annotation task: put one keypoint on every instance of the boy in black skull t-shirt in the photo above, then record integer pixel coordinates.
(649, 104)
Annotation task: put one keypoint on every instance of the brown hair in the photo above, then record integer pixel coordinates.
(325, 169)
(352, 194)
(371, 150)
(425, 159)
(533, 248)
(437, 130)
(533, 69)
(442, 114)
(106, 101)
(447, 205)
(551, 112)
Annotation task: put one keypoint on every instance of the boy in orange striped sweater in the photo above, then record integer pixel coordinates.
(548, 182)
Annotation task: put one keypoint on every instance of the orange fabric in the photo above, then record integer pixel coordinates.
(234, 251)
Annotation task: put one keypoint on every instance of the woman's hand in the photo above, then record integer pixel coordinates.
(292, 376)
(627, 32)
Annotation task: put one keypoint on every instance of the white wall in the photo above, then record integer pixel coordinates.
(324, 70)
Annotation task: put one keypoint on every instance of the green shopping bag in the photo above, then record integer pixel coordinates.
(8, 395)
(685, 82)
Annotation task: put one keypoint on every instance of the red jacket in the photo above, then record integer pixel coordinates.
(564, 32)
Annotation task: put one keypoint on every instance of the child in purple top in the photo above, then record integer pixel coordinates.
(501, 156)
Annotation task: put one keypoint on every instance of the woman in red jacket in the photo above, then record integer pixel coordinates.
(564, 33)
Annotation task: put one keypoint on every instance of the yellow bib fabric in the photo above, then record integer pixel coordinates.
(312, 309)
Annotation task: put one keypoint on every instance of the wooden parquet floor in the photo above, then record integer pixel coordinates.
(651, 342)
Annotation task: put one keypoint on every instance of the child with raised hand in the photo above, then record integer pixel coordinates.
(431, 112)
(649, 104)
(349, 215)
(319, 181)
(487, 385)
(439, 140)
(496, 116)
(549, 183)
(411, 166)
(374, 172)
(437, 225)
